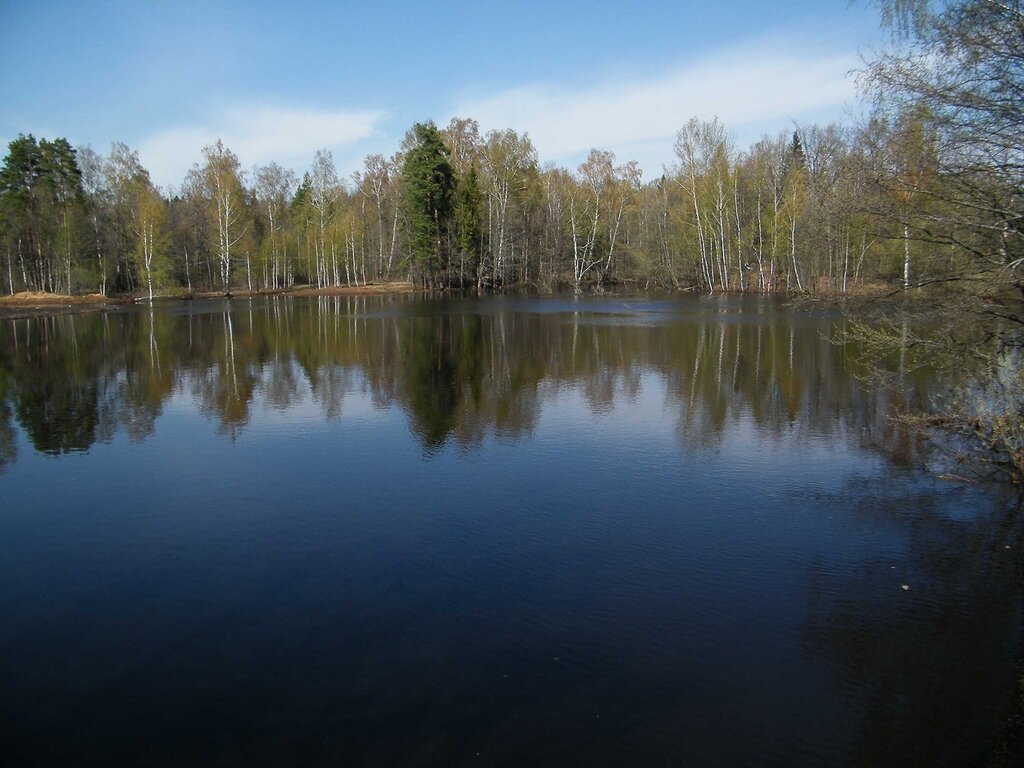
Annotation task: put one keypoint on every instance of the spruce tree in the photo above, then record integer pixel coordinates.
(428, 182)
(468, 201)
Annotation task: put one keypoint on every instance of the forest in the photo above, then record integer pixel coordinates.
(925, 190)
(817, 209)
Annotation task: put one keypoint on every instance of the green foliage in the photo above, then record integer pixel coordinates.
(41, 199)
(905, 18)
(944, 148)
(797, 157)
(468, 208)
(301, 198)
(428, 183)
(926, 192)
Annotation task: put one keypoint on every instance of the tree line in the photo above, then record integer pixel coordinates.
(457, 209)
(926, 189)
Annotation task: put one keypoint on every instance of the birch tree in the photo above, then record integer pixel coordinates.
(219, 180)
(324, 190)
(378, 184)
(148, 217)
(273, 187)
(509, 159)
(97, 203)
(697, 144)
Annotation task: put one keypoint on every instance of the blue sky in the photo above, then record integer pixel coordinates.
(278, 81)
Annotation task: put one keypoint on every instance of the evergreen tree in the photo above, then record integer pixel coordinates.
(468, 202)
(40, 195)
(429, 184)
(20, 204)
(301, 213)
(797, 158)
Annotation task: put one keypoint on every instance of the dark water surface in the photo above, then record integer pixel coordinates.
(510, 531)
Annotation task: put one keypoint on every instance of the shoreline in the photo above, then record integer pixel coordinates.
(39, 304)
(35, 304)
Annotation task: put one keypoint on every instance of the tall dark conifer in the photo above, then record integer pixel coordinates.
(40, 191)
(468, 203)
(429, 184)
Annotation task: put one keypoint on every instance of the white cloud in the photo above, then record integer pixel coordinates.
(258, 135)
(759, 87)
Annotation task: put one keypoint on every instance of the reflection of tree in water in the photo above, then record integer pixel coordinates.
(148, 379)
(930, 662)
(56, 390)
(8, 436)
(226, 386)
(280, 384)
(460, 378)
(460, 375)
(926, 659)
(431, 380)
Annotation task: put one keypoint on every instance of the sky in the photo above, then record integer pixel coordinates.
(278, 81)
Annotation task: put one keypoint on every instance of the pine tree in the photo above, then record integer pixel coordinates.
(20, 206)
(40, 194)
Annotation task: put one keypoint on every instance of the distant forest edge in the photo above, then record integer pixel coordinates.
(926, 190)
(452, 208)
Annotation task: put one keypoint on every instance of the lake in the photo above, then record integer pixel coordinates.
(394, 531)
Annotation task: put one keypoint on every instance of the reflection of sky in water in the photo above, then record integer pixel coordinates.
(653, 524)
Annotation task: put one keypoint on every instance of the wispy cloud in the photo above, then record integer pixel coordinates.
(757, 87)
(257, 134)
